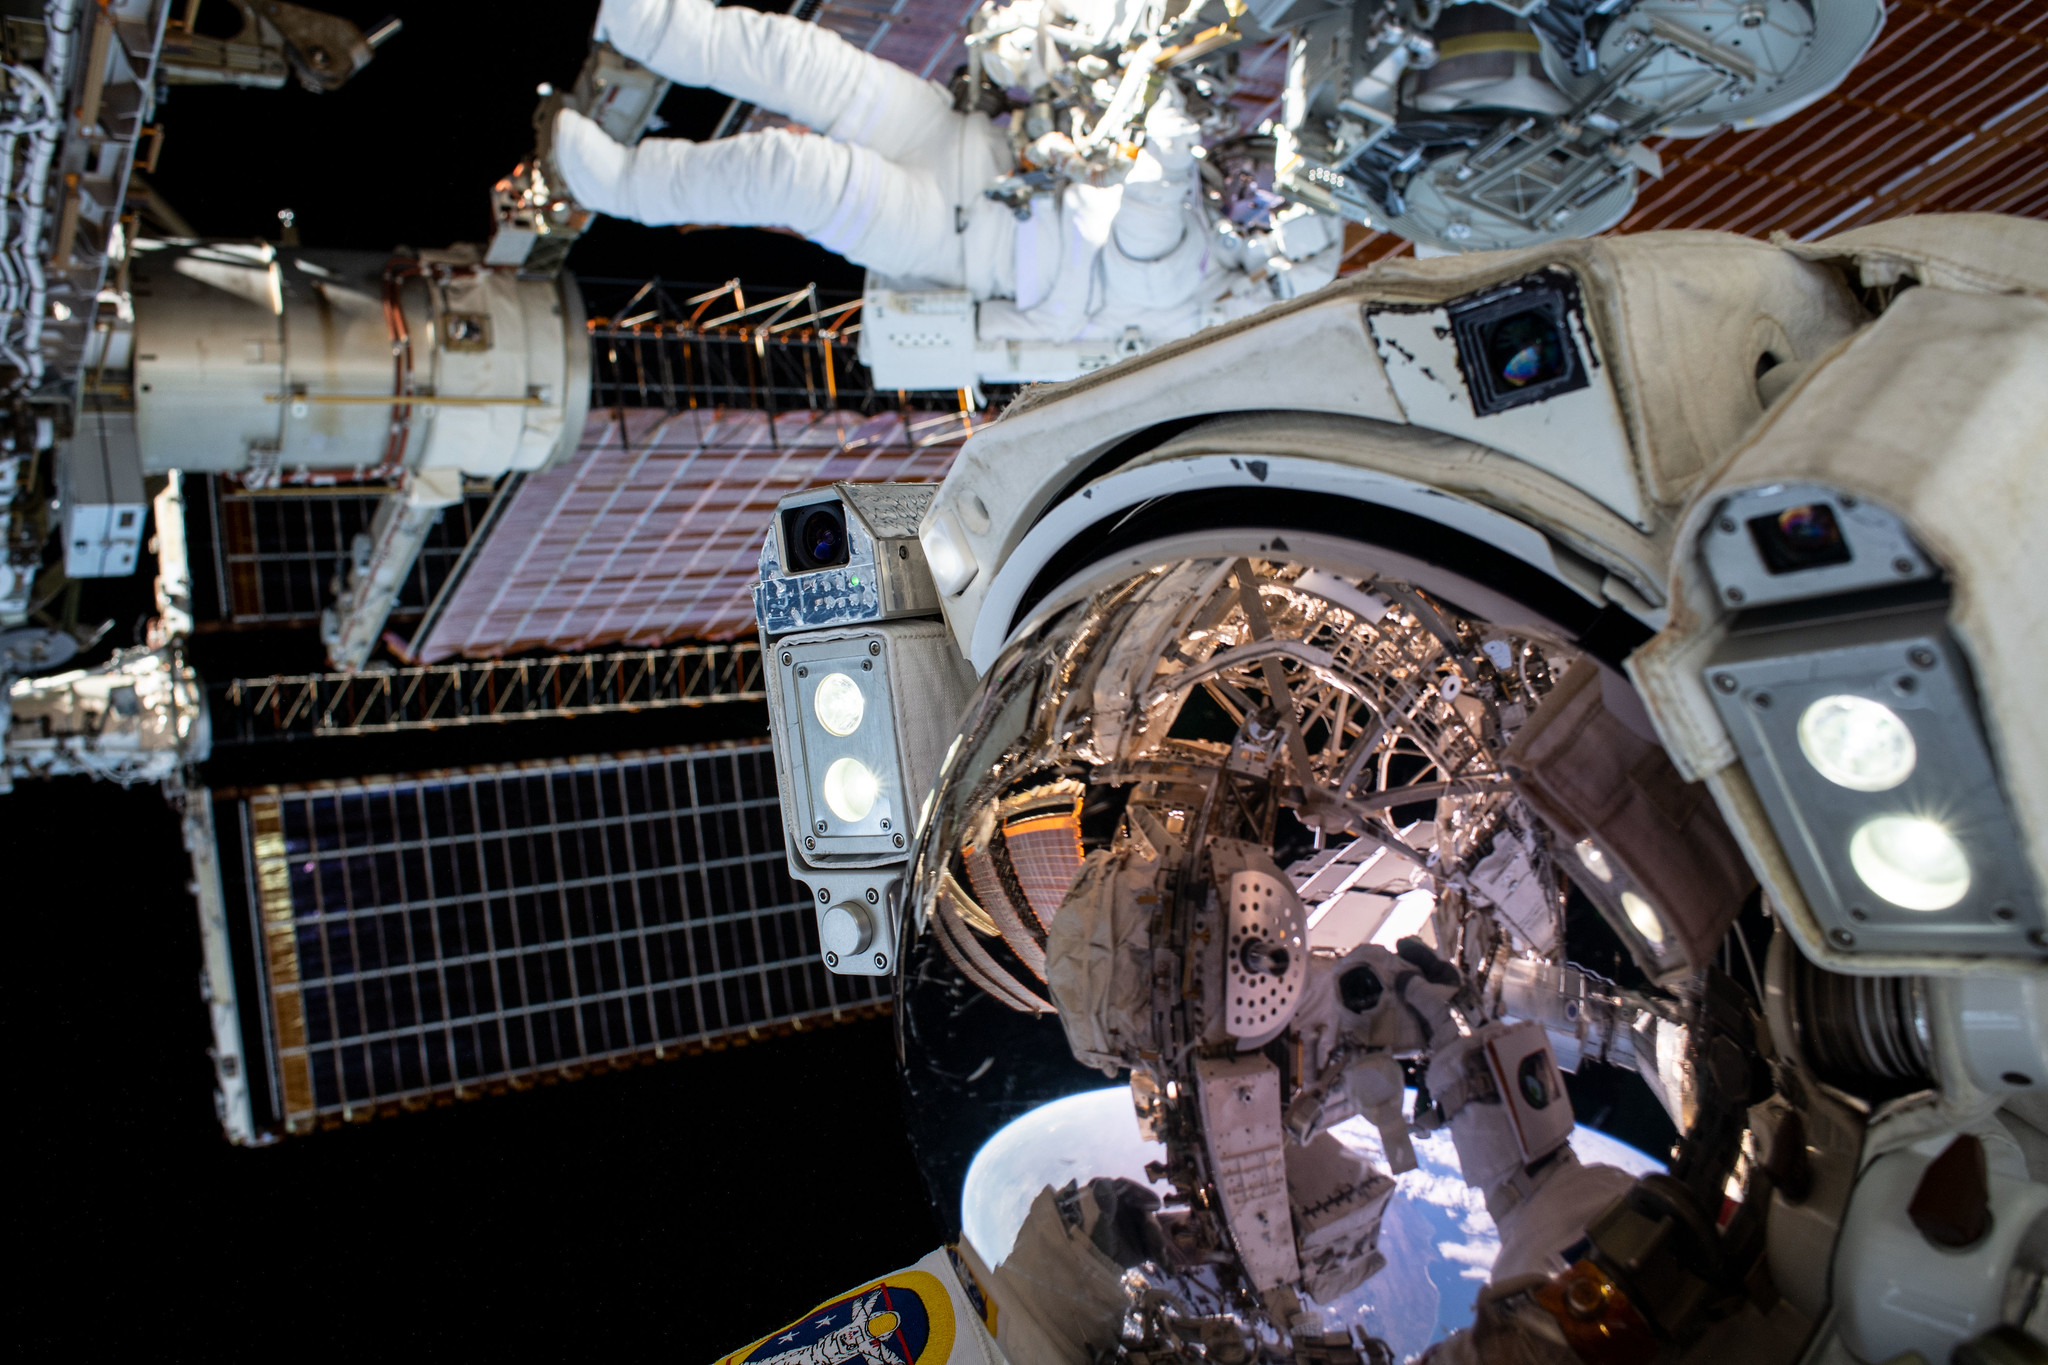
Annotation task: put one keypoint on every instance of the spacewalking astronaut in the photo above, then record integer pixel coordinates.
(895, 179)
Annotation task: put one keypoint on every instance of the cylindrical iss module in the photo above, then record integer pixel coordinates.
(255, 359)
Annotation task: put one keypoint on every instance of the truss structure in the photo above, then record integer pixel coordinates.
(678, 347)
(486, 691)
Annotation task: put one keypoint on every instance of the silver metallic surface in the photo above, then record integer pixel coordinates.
(859, 916)
(1479, 132)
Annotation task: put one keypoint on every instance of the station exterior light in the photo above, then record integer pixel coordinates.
(1857, 743)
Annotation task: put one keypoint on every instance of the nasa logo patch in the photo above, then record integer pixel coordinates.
(901, 1319)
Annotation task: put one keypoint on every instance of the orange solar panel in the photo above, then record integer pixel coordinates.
(988, 887)
(651, 531)
(1046, 851)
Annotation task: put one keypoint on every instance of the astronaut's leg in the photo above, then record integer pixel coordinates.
(1160, 258)
(802, 71)
(1152, 218)
(846, 198)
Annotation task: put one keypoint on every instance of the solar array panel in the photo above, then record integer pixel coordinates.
(1046, 852)
(1947, 113)
(652, 530)
(276, 551)
(431, 937)
(987, 882)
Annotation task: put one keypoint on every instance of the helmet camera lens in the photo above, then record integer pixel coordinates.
(815, 536)
(824, 536)
(1803, 537)
(1524, 349)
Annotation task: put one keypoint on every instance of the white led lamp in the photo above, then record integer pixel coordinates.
(840, 770)
(836, 725)
(1630, 910)
(839, 704)
(860, 717)
(1861, 739)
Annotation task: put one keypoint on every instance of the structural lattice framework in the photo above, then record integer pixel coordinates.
(486, 692)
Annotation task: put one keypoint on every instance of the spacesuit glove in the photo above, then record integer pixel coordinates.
(1423, 958)
(1290, 279)
(1431, 1005)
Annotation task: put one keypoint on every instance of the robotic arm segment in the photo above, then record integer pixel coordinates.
(322, 50)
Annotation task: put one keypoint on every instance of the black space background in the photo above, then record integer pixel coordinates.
(674, 1211)
(406, 153)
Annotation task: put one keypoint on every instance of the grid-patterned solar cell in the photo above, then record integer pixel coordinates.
(652, 531)
(1046, 851)
(276, 551)
(432, 936)
(982, 879)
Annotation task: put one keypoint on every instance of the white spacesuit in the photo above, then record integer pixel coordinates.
(1198, 646)
(893, 178)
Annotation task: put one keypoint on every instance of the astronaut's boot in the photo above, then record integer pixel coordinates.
(643, 28)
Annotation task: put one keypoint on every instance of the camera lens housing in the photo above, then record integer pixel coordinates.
(1515, 343)
(814, 536)
(1804, 537)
